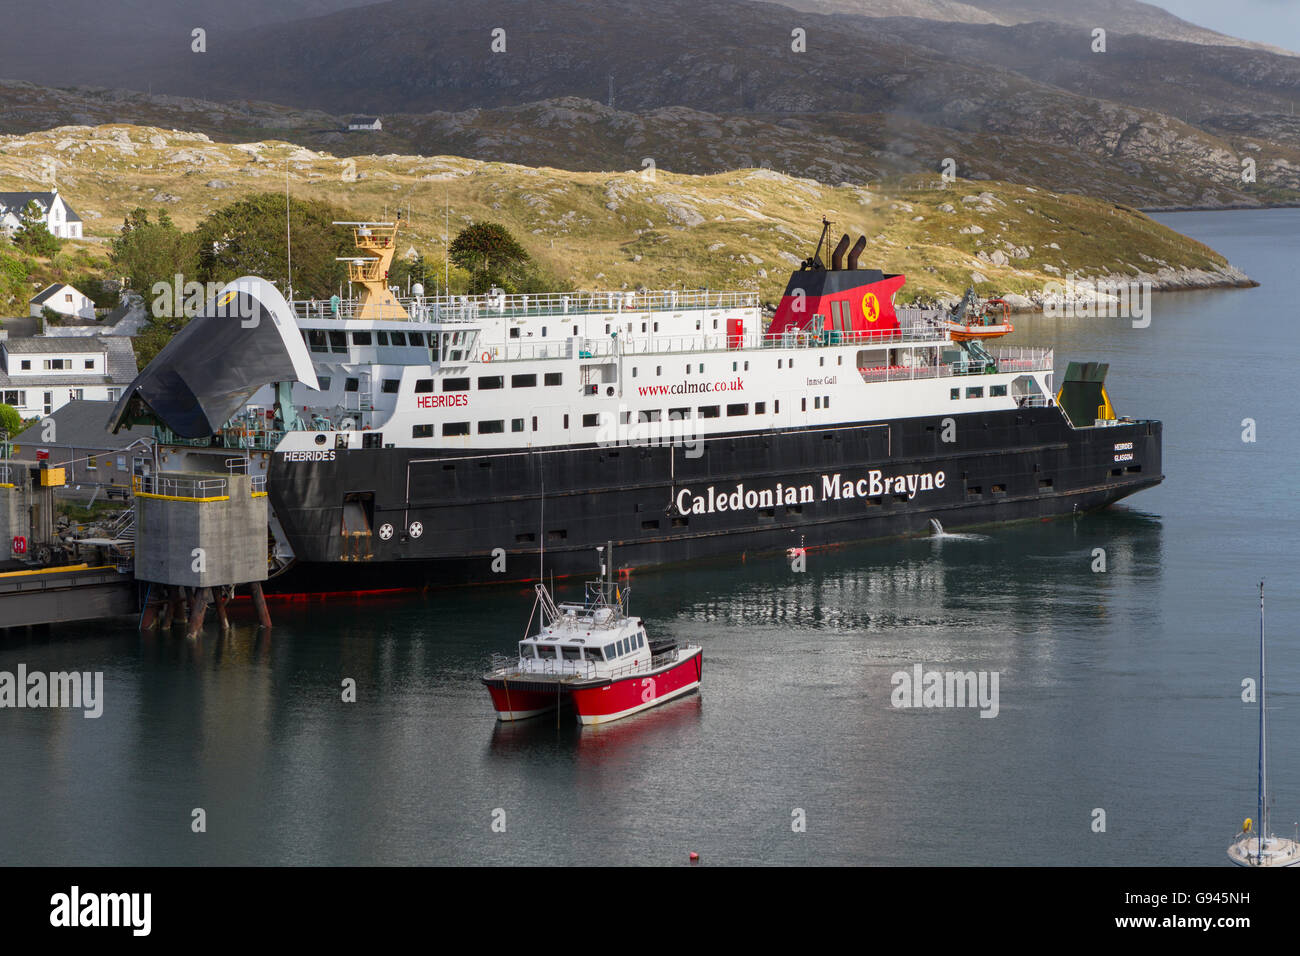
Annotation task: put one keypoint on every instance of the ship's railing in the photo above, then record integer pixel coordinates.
(507, 667)
(1018, 360)
(180, 487)
(235, 435)
(454, 308)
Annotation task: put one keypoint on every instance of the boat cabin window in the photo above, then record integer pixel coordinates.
(546, 652)
(610, 651)
(527, 650)
(397, 338)
(572, 653)
(360, 338)
(417, 338)
(338, 341)
(593, 654)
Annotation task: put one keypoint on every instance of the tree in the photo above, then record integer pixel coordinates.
(147, 253)
(10, 420)
(248, 238)
(491, 255)
(33, 236)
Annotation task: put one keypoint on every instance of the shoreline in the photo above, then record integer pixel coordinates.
(1226, 207)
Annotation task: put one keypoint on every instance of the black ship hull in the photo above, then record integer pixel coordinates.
(386, 518)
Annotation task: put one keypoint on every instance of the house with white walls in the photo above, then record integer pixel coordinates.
(65, 300)
(60, 218)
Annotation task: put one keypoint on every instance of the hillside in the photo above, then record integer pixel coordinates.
(743, 229)
(1153, 122)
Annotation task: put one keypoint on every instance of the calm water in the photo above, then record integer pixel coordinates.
(1118, 691)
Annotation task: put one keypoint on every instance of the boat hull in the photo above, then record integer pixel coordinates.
(629, 695)
(517, 703)
(446, 518)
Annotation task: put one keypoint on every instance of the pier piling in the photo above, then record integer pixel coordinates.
(223, 621)
(259, 602)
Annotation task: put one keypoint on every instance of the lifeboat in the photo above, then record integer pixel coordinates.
(989, 324)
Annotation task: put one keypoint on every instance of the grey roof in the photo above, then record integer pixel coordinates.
(367, 120)
(79, 424)
(118, 348)
(56, 343)
(17, 202)
(46, 293)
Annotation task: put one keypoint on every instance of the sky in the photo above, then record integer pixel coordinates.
(1266, 21)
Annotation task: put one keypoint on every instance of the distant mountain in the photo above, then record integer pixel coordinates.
(1114, 16)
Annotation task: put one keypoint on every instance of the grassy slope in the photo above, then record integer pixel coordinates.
(742, 229)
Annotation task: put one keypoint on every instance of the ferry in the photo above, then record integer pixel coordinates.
(424, 441)
(594, 656)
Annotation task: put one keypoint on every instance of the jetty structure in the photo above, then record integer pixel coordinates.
(437, 441)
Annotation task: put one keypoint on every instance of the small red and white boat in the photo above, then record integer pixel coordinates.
(594, 656)
(967, 321)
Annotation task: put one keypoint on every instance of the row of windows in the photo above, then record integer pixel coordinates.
(592, 420)
(54, 365)
(977, 391)
(321, 340)
(486, 382)
(617, 649)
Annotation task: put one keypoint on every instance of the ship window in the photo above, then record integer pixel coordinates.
(516, 424)
(590, 421)
(556, 535)
(546, 652)
(338, 341)
(640, 639)
(826, 401)
(417, 338)
(523, 381)
(455, 428)
(397, 338)
(352, 384)
(381, 338)
(975, 392)
(954, 393)
(316, 340)
(534, 423)
(679, 414)
(739, 409)
(514, 332)
(735, 366)
(610, 649)
(650, 415)
(525, 538)
(421, 431)
(422, 385)
(526, 650)
(841, 360)
(455, 385)
(634, 371)
(821, 360)
(997, 391)
(592, 654)
(553, 378)
(324, 381)
(566, 421)
(624, 417)
(817, 402)
(360, 338)
(776, 406)
(390, 386)
(760, 408)
(710, 411)
(803, 404)
(491, 381)
(780, 363)
(650, 525)
(571, 653)
(715, 323)
(492, 428)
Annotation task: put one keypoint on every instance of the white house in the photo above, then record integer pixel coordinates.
(39, 375)
(60, 218)
(371, 124)
(65, 300)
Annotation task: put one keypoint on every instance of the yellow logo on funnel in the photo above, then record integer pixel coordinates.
(871, 306)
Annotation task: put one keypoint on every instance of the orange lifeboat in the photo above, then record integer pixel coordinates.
(989, 324)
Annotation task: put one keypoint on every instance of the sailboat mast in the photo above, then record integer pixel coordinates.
(1263, 731)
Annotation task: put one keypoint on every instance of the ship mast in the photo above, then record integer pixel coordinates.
(376, 243)
(1263, 733)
